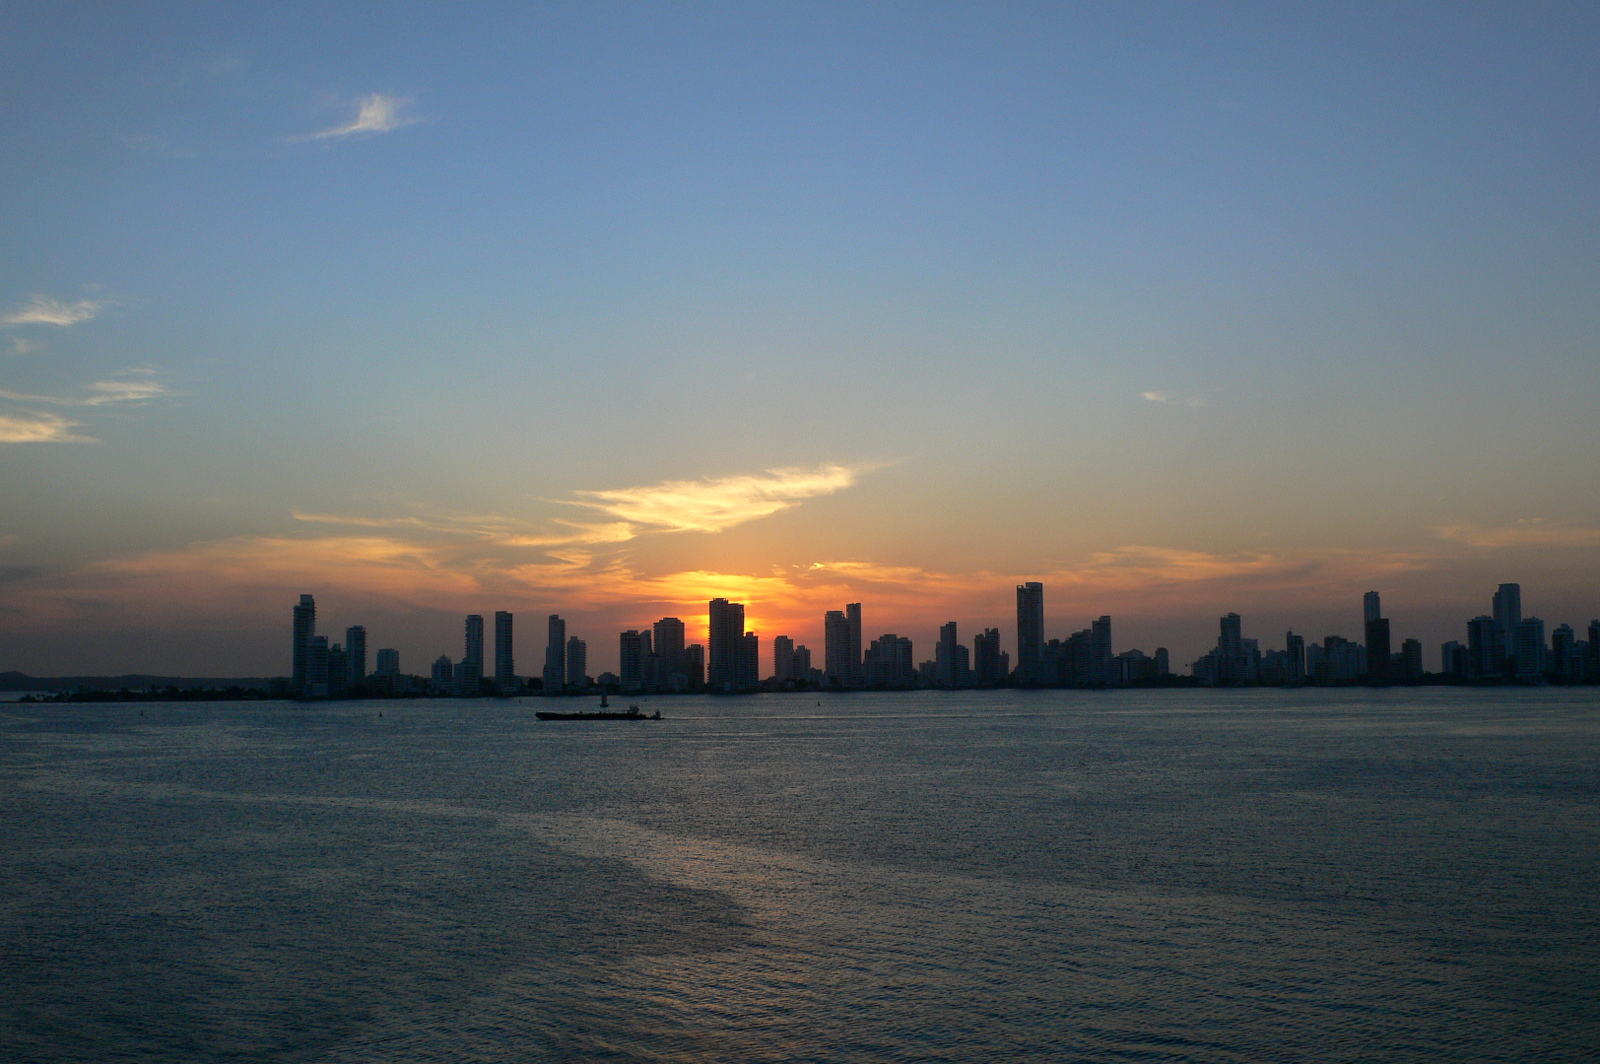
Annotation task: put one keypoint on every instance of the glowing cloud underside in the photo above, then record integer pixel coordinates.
(715, 504)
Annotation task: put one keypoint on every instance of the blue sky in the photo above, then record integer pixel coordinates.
(1297, 299)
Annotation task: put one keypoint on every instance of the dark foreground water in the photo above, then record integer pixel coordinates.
(1206, 876)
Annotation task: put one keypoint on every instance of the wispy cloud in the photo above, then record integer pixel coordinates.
(39, 428)
(19, 346)
(712, 505)
(132, 389)
(377, 114)
(1174, 399)
(1533, 532)
(137, 387)
(43, 310)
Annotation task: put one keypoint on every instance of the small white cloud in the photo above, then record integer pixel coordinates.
(39, 428)
(378, 114)
(1173, 399)
(19, 346)
(42, 310)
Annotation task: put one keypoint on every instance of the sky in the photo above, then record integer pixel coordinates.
(607, 309)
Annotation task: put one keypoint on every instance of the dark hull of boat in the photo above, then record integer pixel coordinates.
(632, 715)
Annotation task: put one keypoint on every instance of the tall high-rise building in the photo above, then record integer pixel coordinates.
(1030, 631)
(1102, 661)
(305, 626)
(782, 658)
(338, 672)
(577, 663)
(1371, 608)
(1295, 657)
(852, 616)
(388, 662)
(1528, 649)
(669, 645)
(1592, 670)
(944, 656)
(1484, 656)
(836, 649)
(316, 665)
(988, 664)
(505, 667)
(555, 656)
(1453, 659)
(749, 671)
(724, 635)
(474, 643)
(1507, 615)
(668, 632)
(355, 649)
(1378, 652)
(633, 647)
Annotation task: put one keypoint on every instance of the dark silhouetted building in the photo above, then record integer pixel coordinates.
(724, 641)
(555, 656)
(305, 626)
(355, 649)
(505, 667)
(1030, 631)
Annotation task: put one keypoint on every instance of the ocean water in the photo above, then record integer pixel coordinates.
(1402, 875)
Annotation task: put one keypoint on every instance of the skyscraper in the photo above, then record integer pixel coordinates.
(632, 648)
(852, 615)
(305, 626)
(724, 635)
(388, 662)
(1030, 630)
(1507, 615)
(669, 643)
(577, 663)
(555, 656)
(316, 666)
(836, 649)
(988, 664)
(782, 658)
(1378, 651)
(749, 671)
(355, 648)
(505, 668)
(1103, 661)
(1295, 655)
(1371, 610)
(469, 673)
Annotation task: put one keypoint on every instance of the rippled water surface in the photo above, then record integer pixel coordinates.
(1055, 876)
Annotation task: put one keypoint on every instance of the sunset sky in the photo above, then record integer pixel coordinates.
(606, 309)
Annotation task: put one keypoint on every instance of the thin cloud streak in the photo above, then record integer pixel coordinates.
(377, 114)
(1531, 533)
(126, 390)
(43, 310)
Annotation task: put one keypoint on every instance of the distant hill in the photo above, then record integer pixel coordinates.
(20, 681)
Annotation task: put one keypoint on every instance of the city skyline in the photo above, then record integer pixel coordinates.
(613, 311)
(1502, 646)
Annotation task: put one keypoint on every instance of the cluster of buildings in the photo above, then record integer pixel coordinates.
(1504, 646)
